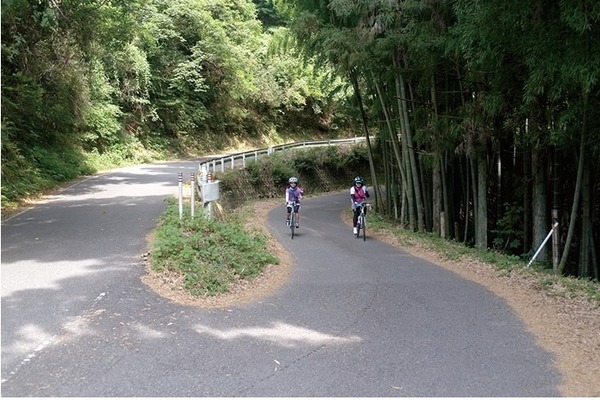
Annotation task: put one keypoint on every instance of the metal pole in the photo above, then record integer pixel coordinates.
(180, 181)
(193, 194)
(543, 243)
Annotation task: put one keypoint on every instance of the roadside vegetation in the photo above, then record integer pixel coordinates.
(209, 255)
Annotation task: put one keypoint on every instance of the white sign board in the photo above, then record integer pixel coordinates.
(209, 191)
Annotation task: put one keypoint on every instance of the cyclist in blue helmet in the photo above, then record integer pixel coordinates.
(358, 193)
(293, 195)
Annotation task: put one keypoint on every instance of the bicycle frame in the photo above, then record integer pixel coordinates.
(292, 216)
(361, 223)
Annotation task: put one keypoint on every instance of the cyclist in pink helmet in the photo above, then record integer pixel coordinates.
(359, 194)
(293, 195)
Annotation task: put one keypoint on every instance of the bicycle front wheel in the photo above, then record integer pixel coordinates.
(292, 224)
(364, 228)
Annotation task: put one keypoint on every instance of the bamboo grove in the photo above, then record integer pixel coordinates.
(483, 114)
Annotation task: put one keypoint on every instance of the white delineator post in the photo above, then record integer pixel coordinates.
(193, 193)
(180, 182)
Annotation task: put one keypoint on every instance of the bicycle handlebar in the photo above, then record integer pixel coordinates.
(363, 206)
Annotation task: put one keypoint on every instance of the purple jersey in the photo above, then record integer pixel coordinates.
(293, 194)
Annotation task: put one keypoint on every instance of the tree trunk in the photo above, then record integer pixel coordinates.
(363, 114)
(437, 197)
(481, 221)
(387, 200)
(586, 226)
(409, 188)
(474, 195)
(437, 192)
(526, 202)
(391, 130)
(414, 171)
(426, 193)
(540, 221)
(574, 208)
(578, 190)
(448, 215)
(499, 203)
(555, 207)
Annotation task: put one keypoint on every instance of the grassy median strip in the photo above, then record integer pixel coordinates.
(211, 254)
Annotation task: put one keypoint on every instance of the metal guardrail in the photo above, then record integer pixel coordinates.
(241, 158)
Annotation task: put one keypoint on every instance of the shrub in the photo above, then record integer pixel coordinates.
(211, 255)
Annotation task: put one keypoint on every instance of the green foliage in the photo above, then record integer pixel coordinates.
(26, 172)
(115, 83)
(318, 169)
(509, 234)
(267, 13)
(275, 169)
(127, 151)
(103, 126)
(479, 77)
(211, 255)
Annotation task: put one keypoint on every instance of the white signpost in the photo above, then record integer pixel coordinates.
(209, 190)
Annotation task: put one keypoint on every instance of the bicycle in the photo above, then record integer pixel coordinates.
(361, 222)
(293, 205)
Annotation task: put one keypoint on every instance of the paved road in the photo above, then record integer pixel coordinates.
(355, 319)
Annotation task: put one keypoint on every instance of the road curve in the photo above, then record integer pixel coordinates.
(355, 318)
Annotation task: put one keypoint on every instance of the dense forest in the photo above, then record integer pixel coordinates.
(92, 84)
(482, 116)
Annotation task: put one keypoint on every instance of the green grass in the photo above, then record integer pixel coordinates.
(210, 254)
(550, 283)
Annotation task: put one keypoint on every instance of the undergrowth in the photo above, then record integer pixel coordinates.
(210, 254)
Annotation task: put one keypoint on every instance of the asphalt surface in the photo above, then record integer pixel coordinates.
(355, 318)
